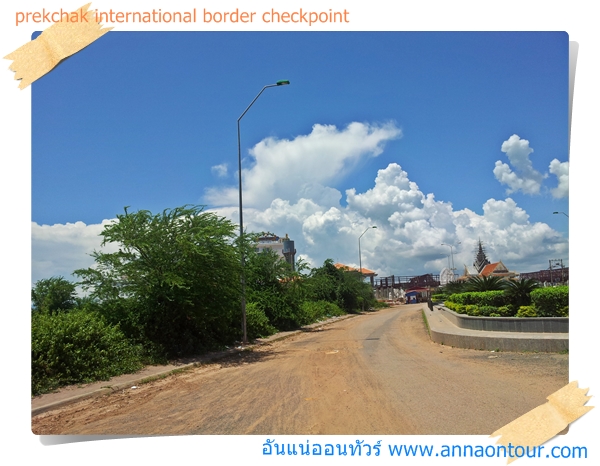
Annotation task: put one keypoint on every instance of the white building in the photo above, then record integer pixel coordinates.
(284, 247)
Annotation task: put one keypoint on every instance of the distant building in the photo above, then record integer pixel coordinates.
(481, 259)
(423, 281)
(366, 272)
(482, 267)
(284, 247)
(549, 276)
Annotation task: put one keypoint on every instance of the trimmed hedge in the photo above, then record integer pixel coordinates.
(495, 298)
(551, 302)
(545, 302)
(527, 311)
(77, 347)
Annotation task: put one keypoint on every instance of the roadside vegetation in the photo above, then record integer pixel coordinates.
(498, 297)
(173, 289)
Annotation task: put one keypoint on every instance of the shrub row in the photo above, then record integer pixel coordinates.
(481, 298)
(551, 302)
(546, 302)
(77, 347)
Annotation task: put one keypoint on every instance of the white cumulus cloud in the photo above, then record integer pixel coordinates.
(219, 170)
(411, 225)
(60, 249)
(561, 171)
(304, 166)
(522, 176)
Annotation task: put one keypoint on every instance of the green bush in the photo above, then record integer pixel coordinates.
(506, 311)
(380, 305)
(458, 308)
(77, 347)
(494, 298)
(472, 310)
(527, 311)
(487, 311)
(551, 301)
(313, 311)
(257, 323)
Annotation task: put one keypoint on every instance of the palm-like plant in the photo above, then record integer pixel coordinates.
(453, 287)
(489, 283)
(519, 291)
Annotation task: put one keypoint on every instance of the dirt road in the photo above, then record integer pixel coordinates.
(370, 374)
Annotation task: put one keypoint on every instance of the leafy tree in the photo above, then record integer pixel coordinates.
(53, 294)
(342, 287)
(173, 285)
(270, 286)
(453, 287)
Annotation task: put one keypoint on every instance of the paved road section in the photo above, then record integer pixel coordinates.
(377, 373)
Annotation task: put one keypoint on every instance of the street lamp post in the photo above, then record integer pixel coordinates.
(360, 259)
(359, 253)
(452, 254)
(243, 258)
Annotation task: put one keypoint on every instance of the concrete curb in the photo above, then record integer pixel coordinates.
(443, 331)
(112, 388)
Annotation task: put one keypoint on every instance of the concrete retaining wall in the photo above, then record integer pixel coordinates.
(508, 324)
(489, 342)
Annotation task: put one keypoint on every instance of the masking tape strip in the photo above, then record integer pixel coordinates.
(546, 421)
(61, 40)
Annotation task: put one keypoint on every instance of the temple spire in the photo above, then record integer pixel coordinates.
(481, 259)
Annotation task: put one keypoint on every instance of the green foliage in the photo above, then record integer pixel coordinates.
(551, 301)
(173, 284)
(487, 311)
(489, 283)
(313, 311)
(454, 288)
(519, 291)
(77, 347)
(458, 308)
(527, 311)
(274, 288)
(543, 302)
(472, 310)
(257, 323)
(495, 298)
(290, 300)
(380, 305)
(506, 311)
(439, 297)
(52, 295)
(342, 287)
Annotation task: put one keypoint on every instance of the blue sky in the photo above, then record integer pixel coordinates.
(433, 137)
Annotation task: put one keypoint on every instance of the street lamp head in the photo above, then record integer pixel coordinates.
(374, 226)
(282, 83)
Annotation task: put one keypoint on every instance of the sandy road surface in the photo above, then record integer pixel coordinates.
(370, 374)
